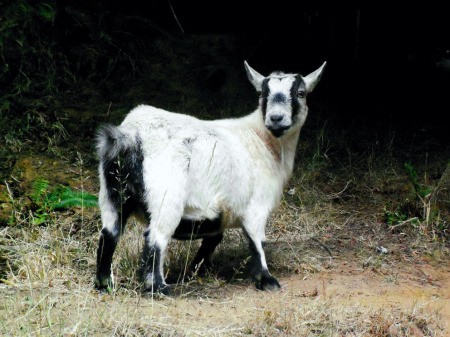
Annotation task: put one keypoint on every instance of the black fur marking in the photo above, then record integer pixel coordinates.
(108, 137)
(124, 177)
(268, 282)
(298, 84)
(255, 262)
(205, 253)
(121, 162)
(191, 229)
(264, 94)
(106, 246)
(261, 276)
(151, 273)
(279, 98)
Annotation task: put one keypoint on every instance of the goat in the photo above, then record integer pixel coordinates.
(187, 178)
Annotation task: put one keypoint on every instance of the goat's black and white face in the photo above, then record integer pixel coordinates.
(283, 98)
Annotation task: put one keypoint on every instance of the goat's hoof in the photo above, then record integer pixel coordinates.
(104, 283)
(268, 283)
(161, 289)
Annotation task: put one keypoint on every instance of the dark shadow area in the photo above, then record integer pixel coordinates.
(67, 66)
(386, 67)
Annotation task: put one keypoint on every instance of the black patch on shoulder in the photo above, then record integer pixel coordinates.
(297, 85)
(197, 229)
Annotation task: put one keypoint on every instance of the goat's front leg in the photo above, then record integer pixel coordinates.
(152, 263)
(255, 233)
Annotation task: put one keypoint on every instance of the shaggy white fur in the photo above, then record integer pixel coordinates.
(198, 171)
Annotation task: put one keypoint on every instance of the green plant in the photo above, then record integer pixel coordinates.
(423, 194)
(46, 199)
(422, 211)
(394, 218)
(422, 191)
(38, 196)
(64, 197)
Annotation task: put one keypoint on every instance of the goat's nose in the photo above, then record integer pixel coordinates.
(276, 118)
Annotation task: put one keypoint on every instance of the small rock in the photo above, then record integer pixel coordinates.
(382, 250)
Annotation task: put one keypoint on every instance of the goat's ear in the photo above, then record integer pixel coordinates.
(312, 79)
(254, 77)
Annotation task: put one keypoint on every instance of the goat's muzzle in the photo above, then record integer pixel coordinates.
(277, 129)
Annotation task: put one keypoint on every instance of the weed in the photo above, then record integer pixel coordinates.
(46, 199)
(420, 212)
(395, 218)
(399, 218)
(421, 191)
(39, 198)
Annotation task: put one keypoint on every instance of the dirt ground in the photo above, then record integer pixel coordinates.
(418, 286)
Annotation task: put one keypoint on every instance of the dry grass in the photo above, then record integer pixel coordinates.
(321, 245)
(48, 291)
(51, 293)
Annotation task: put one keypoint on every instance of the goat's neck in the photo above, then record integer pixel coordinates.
(289, 146)
(283, 149)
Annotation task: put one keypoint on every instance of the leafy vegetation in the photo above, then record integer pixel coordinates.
(421, 191)
(47, 199)
(420, 212)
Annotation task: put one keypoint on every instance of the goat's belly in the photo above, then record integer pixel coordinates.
(191, 229)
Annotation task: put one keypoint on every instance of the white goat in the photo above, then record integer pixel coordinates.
(188, 179)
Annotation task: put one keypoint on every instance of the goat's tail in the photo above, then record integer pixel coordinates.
(111, 142)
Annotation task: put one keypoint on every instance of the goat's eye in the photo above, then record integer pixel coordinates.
(301, 93)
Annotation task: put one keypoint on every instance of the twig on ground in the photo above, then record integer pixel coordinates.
(324, 246)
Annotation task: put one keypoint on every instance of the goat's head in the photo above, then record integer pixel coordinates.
(283, 98)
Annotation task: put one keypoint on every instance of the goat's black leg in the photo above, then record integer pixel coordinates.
(113, 226)
(106, 247)
(202, 260)
(109, 237)
(260, 273)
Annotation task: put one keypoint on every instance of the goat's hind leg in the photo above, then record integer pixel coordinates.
(106, 247)
(114, 219)
(202, 260)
